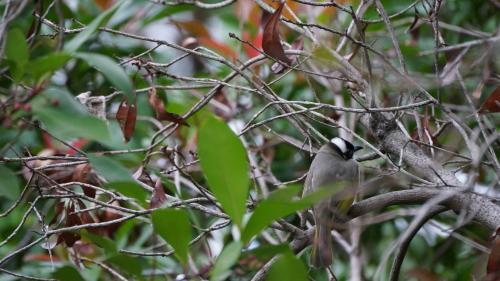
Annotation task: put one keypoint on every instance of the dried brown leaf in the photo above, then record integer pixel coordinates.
(298, 44)
(127, 116)
(72, 219)
(492, 103)
(493, 267)
(104, 4)
(82, 174)
(161, 114)
(271, 42)
(422, 274)
(159, 196)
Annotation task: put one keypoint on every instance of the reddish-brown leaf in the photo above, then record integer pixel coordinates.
(126, 116)
(68, 237)
(82, 174)
(194, 27)
(271, 42)
(85, 217)
(159, 196)
(298, 44)
(41, 257)
(492, 103)
(155, 102)
(161, 114)
(422, 274)
(108, 215)
(493, 267)
(104, 4)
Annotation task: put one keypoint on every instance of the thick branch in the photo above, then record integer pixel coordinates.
(395, 143)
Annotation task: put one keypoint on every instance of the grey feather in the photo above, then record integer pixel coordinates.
(327, 168)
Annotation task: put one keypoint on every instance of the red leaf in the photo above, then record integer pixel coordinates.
(492, 103)
(159, 196)
(126, 116)
(256, 42)
(271, 42)
(78, 143)
(160, 112)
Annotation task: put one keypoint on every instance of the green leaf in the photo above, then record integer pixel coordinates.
(16, 50)
(174, 227)
(227, 258)
(281, 203)
(223, 160)
(63, 124)
(80, 38)
(118, 177)
(46, 65)
(101, 241)
(129, 189)
(66, 118)
(110, 169)
(111, 70)
(128, 264)
(266, 251)
(67, 273)
(287, 267)
(9, 183)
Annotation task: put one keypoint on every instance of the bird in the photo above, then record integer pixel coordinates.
(332, 164)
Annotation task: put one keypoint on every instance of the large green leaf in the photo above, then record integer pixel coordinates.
(9, 183)
(281, 203)
(16, 51)
(173, 225)
(223, 160)
(80, 38)
(67, 273)
(287, 267)
(44, 66)
(118, 177)
(111, 70)
(64, 117)
(227, 258)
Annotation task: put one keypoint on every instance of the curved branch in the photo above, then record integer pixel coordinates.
(405, 243)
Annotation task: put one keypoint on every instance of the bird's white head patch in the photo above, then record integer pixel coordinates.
(340, 143)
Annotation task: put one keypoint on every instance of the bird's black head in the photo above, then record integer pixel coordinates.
(343, 147)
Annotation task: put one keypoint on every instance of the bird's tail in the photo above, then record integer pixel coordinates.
(321, 255)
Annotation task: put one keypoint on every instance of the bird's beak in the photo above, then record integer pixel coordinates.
(356, 148)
